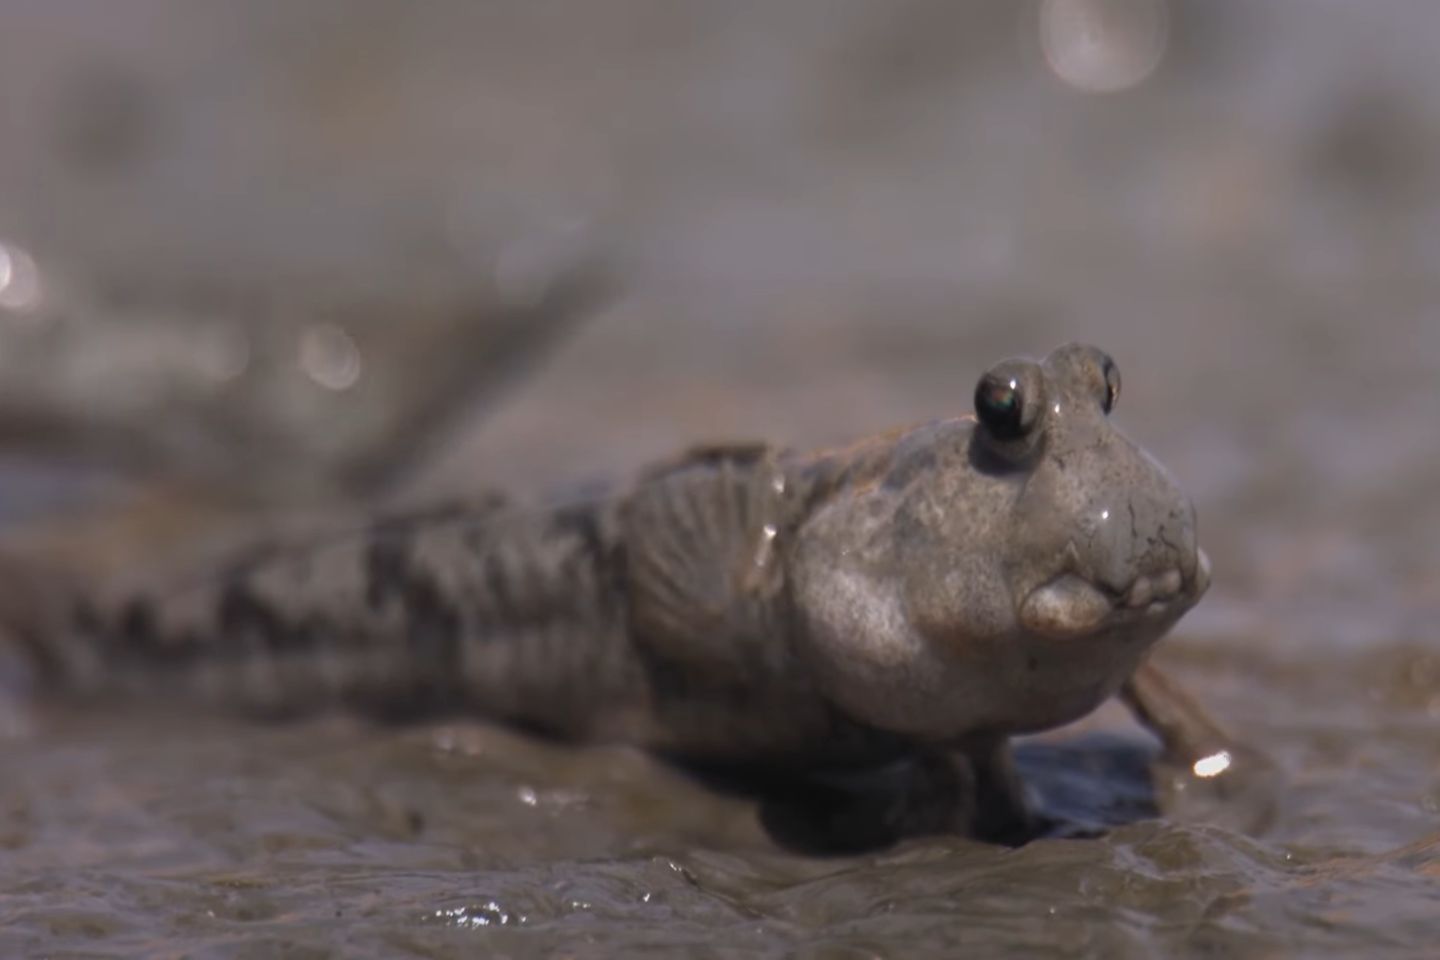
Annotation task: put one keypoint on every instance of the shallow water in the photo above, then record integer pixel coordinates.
(127, 833)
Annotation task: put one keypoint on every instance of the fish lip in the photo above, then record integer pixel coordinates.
(1067, 605)
(1201, 580)
(1151, 588)
(1071, 604)
(1184, 584)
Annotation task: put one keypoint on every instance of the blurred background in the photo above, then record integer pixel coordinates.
(292, 252)
(286, 257)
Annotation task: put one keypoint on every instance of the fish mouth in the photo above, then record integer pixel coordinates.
(1069, 605)
(1160, 590)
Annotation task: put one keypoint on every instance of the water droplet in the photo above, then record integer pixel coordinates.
(330, 357)
(19, 280)
(1213, 765)
(766, 550)
(1103, 46)
(486, 914)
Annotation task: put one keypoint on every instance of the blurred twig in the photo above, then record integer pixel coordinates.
(209, 390)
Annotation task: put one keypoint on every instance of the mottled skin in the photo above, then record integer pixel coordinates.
(932, 590)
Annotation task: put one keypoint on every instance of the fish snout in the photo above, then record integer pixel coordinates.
(1157, 589)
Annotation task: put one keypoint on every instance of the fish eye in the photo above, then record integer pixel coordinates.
(1112, 385)
(1000, 405)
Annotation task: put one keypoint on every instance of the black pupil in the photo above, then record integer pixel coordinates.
(1001, 397)
(997, 404)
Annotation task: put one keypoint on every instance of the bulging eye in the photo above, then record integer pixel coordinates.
(1112, 385)
(1000, 405)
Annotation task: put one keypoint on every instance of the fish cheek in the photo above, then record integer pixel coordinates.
(962, 607)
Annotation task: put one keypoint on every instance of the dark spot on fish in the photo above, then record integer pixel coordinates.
(387, 565)
(242, 614)
(581, 524)
(137, 621)
(427, 660)
(430, 648)
(433, 626)
(136, 634)
(579, 520)
(614, 574)
(498, 587)
(605, 555)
